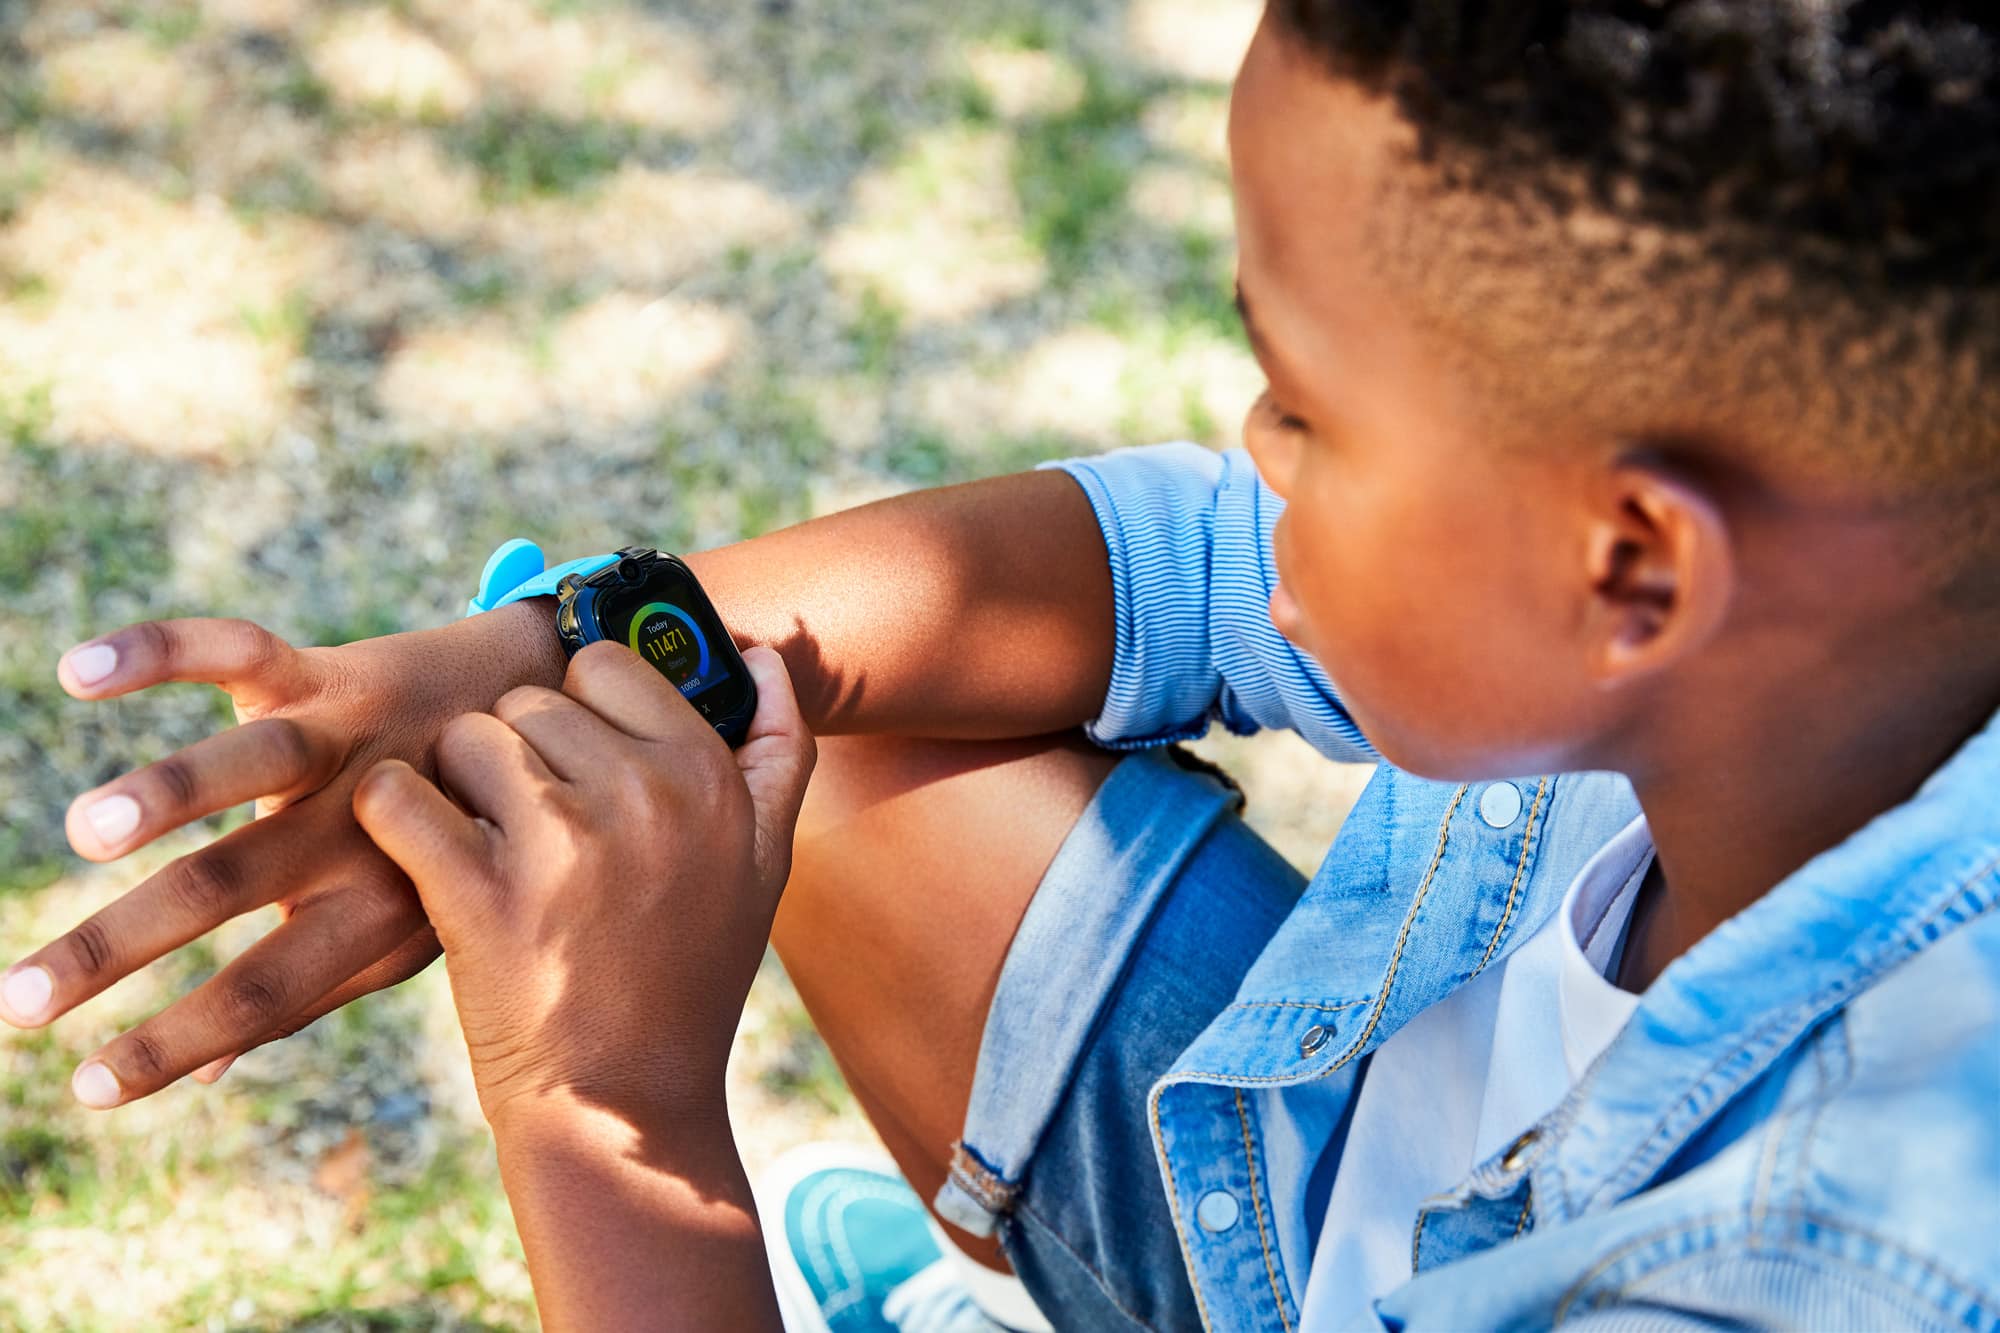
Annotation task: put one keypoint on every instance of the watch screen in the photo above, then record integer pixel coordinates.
(668, 621)
(668, 637)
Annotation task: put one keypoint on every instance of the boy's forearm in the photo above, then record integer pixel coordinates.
(629, 1227)
(981, 610)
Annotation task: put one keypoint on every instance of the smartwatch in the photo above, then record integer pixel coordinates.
(645, 599)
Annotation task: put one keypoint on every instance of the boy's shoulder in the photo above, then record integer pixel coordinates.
(1898, 1124)
(1865, 1165)
(1855, 1183)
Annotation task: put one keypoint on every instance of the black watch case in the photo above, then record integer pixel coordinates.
(651, 602)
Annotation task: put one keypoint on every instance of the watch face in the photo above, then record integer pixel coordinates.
(667, 620)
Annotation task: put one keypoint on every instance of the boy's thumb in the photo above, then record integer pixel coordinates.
(776, 759)
(440, 847)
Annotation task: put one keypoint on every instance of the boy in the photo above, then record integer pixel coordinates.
(1634, 412)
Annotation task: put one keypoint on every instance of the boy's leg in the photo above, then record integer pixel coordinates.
(1008, 945)
(914, 863)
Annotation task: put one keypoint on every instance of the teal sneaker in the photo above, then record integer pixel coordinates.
(853, 1250)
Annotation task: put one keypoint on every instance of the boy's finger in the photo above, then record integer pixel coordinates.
(254, 865)
(437, 845)
(416, 952)
(615, 683)
(272, 756)
(490, 770)
(776, 757)
(270, 980)
(254, 665)
(570, 738)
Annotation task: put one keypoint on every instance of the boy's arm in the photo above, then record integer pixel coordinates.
(635, 1229)
(978, 610)
(988, 609)
(599, 1022)
(975, 611)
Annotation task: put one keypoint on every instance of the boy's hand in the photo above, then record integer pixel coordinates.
(314, 720)
(604, 893)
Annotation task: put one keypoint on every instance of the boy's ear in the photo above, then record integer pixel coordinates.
(1661, 568)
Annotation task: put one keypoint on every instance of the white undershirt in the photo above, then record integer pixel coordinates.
(1466, 1076)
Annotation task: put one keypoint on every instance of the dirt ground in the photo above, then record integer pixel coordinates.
(306, 306)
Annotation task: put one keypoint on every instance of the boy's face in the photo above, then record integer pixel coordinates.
(1431, 558)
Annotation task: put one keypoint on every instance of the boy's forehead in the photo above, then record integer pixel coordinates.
(1304, 143)
(1310, 155)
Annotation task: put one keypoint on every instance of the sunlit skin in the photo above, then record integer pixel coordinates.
(1499, 591)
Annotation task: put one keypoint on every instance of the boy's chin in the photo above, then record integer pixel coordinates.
(1439, 758)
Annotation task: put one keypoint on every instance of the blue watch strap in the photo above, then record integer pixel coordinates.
(518, 569)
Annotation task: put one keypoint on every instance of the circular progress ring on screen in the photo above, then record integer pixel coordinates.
(638, 626)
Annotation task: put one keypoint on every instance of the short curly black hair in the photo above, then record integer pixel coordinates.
(1791, 201)
(1866, 131)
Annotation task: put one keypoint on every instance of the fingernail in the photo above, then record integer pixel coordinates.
(92, 662)
(213, 1071)
(95, 1085)
(26, 993)
(112, 819)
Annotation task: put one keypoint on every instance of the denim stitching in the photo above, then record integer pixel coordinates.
(1381, 1003)
(1763, 1034)
(1521, 1222)
(1513, 890)
(1717, 1221)
(1296, 1004)
(1381, 999)
(1174, 1201)
(1257, 1206)
(1096, 1278)
(1828, 1081)
(1767, 1167)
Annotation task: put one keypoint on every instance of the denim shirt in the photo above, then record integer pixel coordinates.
(1800, 1125)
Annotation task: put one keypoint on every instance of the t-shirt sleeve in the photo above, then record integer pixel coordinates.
(1188, 535)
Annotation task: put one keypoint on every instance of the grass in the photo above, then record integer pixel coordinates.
(38, 1164)
(928, 458)
(22, 173)
(165, 23)
(1027, 28)
(482, 288)
(876, 333)
(284, 188)
(759, 472)
(1200, 292)
(1073, 170)
(526, 154)
(429, 1243)
(804, 1068)
(23, 103)
(282, 325)
(73, 512)
(299, 90)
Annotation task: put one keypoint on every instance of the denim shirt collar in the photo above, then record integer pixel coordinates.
(1419, 894)
(1344, 974)
(1719, 1016)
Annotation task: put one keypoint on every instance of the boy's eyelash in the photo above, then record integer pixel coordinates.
(1280, 417)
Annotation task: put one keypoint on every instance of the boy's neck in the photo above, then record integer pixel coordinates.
(1739, 804)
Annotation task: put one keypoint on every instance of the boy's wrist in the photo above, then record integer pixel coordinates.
(521, 639)
(691, 1130)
